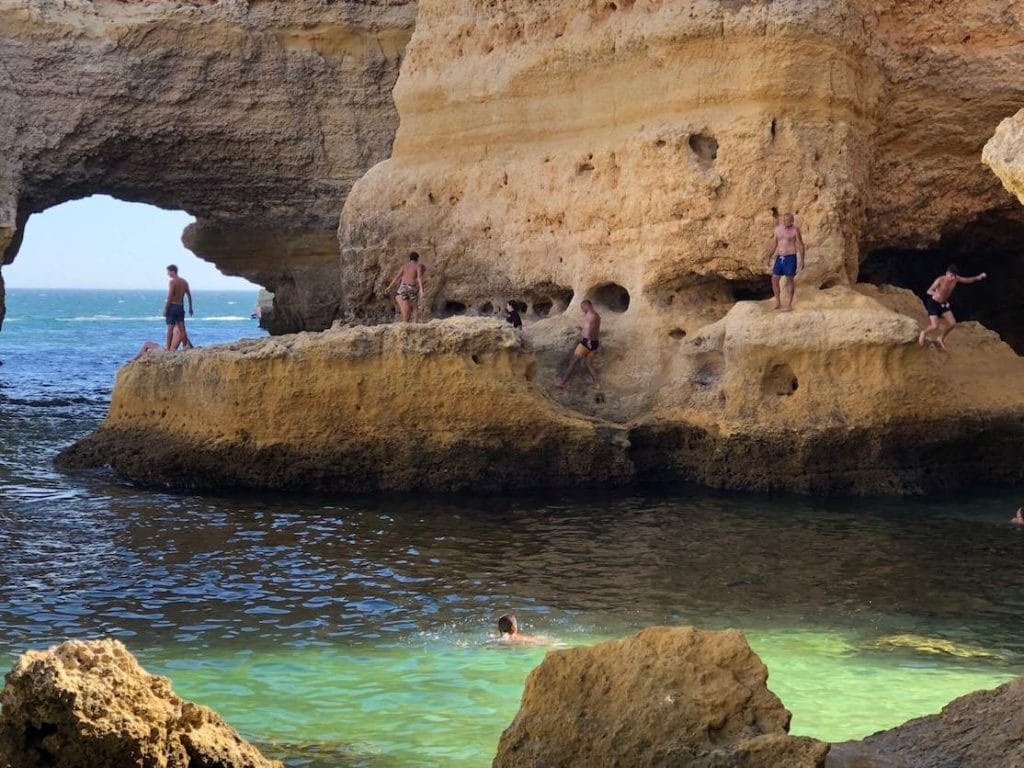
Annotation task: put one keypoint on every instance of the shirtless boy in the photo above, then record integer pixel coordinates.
(174, 309)
(410, 288)
(587, 345)
(787, 248)
(937, 303)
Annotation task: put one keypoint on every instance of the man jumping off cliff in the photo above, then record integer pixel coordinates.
(937, 303)
(410, 288)
(787, 246)
(174, 309)
(587, 345)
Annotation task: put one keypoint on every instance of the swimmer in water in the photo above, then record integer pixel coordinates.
(1018, 519)
(508, 633)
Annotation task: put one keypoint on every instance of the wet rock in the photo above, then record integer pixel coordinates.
(980, 730)
(90, 704)
(663, 697)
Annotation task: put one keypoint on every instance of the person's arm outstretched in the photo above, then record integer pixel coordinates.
(975, 279)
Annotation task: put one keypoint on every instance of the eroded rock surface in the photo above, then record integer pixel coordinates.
(91, 704)
(441, 406)
(1004, 154)
(254, 117)
(980, 730)
(663, 697)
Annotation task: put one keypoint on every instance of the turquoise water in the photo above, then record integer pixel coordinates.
(353, 631)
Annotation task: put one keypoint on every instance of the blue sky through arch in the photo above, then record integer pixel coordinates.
(101, 242)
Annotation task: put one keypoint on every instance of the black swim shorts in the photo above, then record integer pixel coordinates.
(175, 314)
(934, 308)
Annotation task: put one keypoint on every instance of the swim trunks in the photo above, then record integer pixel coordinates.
(934, 308)
(586, 347)
(175, 314)
(408, 292)
(785, 265)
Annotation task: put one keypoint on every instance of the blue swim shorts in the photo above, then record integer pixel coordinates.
(175, 314)
(785, 265)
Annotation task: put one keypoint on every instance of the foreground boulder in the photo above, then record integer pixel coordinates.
(85, 704)
(980, 730)
(663, 697)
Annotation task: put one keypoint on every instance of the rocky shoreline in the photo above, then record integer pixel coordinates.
(666, 696)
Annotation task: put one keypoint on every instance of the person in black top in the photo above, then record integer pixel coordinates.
(511, 316)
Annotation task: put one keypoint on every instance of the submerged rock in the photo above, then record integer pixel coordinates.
(90, 704)
(663, 697)
(980, 730)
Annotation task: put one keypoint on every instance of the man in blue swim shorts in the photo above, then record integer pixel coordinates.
(787, 250)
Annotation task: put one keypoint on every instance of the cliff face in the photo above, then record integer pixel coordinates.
(254, 117)
(436, 407)
(1004, 154)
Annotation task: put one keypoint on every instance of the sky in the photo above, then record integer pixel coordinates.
(100, 242)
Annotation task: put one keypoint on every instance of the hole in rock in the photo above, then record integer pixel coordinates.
(118, 286)
(542, 308)
(774, 126)
(704, 146)
(993, 243)
(610, 296)
(584, 167)
(677, 333)
(831, 282)
(486, 308)
(452, 308)
(475, 358)
(751, 290)
(780, 381)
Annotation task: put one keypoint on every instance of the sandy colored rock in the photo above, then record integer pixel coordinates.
(663, 697)
(441, 406)
(91, 704)
(1003, 154)
(254, 117)
(980, 730)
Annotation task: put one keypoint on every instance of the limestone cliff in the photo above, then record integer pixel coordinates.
(1004, 154)
(254, 117)
(91, 704)
(444, 406)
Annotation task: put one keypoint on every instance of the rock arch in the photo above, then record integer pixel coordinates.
(256, 118)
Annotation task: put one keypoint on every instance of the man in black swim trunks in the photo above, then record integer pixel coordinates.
(586, 346)
(937, 303)
(174, 308)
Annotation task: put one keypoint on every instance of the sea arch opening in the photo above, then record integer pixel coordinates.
(90, 276)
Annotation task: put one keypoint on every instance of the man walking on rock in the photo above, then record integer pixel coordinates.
(587, 345)
(787, 247)
(174, 309)
(937, 303)
(410, 288)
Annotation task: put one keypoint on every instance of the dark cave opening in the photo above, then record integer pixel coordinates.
(992, 243)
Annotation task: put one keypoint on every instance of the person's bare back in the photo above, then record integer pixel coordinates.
(176, 290)
(592, 326)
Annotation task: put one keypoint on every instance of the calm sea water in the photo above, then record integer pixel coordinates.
(352, 631)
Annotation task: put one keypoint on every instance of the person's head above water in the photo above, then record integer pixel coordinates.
(1018, 518)
(507, 624)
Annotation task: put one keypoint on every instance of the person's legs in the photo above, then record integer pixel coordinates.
(170, 334)
(403, 308)
(950, 324)
(933, 324)
(790, 290)
(415, 311)
(775, 291)
(568, 373)
(182, 336)
(591, 371)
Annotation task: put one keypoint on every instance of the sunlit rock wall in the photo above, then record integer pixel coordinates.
(254, 117)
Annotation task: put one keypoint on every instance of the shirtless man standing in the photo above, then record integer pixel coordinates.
(410, 288)
(586, 346)
(787, 247)
(937, 303)
(174, 309)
